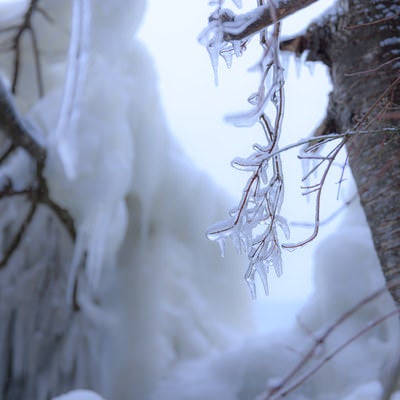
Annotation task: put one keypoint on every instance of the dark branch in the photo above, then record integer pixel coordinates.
(7, 152)
(25, 25)
(18, 237)
(14, 127)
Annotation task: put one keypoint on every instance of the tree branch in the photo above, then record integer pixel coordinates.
(14, 127)
(238, 27)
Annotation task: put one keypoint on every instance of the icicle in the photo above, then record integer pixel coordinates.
(213, 53)
(276, 261)
(298, 65)
(221, 244)
(249, 278)
(218, 230)
(227, 55)
(262, 271)
(237, 47)
(253, 99)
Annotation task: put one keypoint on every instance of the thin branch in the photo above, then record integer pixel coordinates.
(8, 191)
(373, 70)
(7, 152)
(323, 139)
(18, 237)
(328, 219)
(314, 234)
(63, 215)
(44, 198)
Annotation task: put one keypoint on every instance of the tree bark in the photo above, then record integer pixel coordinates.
(361, 46)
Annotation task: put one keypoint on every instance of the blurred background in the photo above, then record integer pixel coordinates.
(195, 109)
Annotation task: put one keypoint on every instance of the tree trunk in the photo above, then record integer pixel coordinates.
(361, 46)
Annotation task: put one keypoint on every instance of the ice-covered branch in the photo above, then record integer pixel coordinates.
(239, 27)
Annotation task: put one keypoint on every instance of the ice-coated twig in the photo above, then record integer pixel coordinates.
(255, 223)
(330, 158)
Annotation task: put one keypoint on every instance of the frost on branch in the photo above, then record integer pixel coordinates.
(255, 223)
(253, 226)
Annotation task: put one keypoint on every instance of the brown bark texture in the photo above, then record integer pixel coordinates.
(360, 43)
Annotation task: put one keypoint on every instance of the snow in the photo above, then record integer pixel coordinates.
(163, 316)
(12, 9)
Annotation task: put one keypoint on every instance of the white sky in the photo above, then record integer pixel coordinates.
(195, 109)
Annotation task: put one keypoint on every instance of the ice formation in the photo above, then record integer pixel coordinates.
(154, 290)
